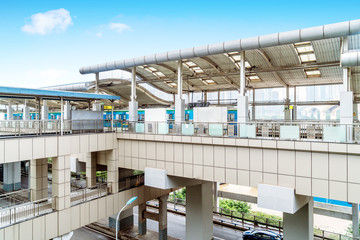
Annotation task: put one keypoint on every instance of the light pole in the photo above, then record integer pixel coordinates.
(117, 218)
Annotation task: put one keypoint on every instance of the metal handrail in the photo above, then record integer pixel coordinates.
(286, 130)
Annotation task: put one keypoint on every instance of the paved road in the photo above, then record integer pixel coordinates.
(83, 233)
(176, 227)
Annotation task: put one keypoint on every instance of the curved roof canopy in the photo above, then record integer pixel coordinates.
(297, 58)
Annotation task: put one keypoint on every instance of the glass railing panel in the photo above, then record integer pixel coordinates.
(163, 128)
(289, 132)
(187, 129)
(334, 134)
(248, 130)
(139, 128)
(216, 129)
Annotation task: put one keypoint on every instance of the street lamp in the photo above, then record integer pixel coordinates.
(117, 218)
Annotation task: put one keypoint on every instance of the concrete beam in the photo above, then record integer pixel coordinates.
(158, 178)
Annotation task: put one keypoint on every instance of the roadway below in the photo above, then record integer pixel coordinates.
(176, 230)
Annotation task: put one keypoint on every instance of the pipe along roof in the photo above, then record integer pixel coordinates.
(291, 37)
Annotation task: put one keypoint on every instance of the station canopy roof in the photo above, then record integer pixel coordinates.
(297, 58)
(53, 96)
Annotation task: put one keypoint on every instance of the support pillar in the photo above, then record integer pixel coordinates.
(62, 116)
(346, 97)
(287, 115)
(26, 112)
(141, 219)
(216, 194)
(253, 107)
(133, 104)
(126, 219)
(199, 218)
(61, 182)
(39, 179)
(112, 170)
(179, 101)
(163, 217)
(355, 219)
(67, 111)
(242, 104)
(90, 169)
(12, 176)
(300, 225)
(9, 112)
(44, 111)
(294, 110)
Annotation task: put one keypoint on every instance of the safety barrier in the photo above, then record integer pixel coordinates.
(301, 131)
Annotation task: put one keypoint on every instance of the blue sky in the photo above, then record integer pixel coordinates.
(45, 42)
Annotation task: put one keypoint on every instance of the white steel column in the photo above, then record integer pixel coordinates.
(346, 97)
(179, 101)
(10, 111)
(199, 212)
(67, 111)
(253, 107)
(26, 112)
(62, 116)
(287, 105)
(96, 105)
(242, 105)
(133, 104)
(295, 106)
(355, 219)
(44, 111)
(112, 115)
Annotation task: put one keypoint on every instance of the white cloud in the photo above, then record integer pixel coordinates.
(99, 34)
(47, 22)
(47, 77)
(119, 27)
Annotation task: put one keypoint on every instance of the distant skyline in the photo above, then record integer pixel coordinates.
(44, 43)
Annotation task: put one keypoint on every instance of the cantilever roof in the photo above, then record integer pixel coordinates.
(301, 57)
(13, 92)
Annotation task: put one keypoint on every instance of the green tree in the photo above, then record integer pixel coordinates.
(233, 205)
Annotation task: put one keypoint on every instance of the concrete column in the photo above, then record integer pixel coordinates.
(9, 111)
(44, 111)
(242, 104)
(141, 219)
(199, 222)
(300, 225)
(39, 179)
(355, 219)
(126, 219)
(26, 111)
(179, 101)
(61, 182)
(216, 194)
(12, 176)
(287, 115)
(163, 217)
(90, 169)
(112, 170)
(133, 104)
